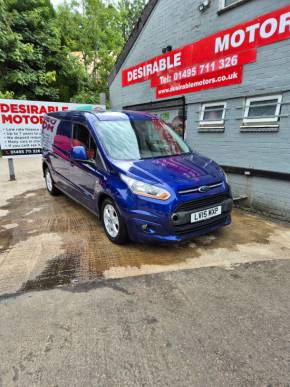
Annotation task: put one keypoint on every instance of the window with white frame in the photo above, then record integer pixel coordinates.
(262, 109)
(213, 114)
(228, 3)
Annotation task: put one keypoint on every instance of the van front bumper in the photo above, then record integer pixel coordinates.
(172, 228)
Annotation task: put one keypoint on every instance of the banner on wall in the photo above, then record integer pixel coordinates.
(21, 122)
(215, 61)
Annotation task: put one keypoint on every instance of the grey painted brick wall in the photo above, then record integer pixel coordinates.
(263, 194)
(260, 150)
(179, 22)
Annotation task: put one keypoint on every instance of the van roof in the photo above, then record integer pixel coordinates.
(103, 115)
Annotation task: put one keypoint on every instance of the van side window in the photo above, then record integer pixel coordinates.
(82, 136)
(99, 162)
(62, 139)
(64, 129)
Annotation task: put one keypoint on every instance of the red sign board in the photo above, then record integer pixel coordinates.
(219, 78)
(214, 61)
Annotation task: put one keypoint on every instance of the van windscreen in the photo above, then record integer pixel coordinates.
(140, 139)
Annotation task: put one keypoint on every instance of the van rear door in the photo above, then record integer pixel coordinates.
(61, 149)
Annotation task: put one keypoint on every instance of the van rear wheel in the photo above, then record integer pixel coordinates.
(50, 183)
(113, 223)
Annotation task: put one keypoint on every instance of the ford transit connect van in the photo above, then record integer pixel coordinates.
(136, 174)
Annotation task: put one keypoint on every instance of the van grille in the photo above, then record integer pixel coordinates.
(200, 203)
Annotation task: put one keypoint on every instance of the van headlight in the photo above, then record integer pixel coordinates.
(225, 176)
(143, 189)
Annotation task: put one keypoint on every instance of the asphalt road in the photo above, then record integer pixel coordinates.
(204, 327)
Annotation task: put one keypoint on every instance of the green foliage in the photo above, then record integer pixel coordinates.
(26, 43)
(62, 55)
(90, 28)
(6, 94)
(129, 12)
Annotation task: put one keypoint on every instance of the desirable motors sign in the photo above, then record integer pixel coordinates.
(212, 62)
(21, 122)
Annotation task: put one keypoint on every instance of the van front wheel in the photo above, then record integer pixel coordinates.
(113, 223)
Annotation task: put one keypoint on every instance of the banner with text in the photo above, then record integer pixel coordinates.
(21, 122)
(214, 61)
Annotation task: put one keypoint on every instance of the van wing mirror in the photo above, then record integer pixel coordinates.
(79, 153)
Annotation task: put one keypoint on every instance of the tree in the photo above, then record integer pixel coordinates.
(33, 62)
(62, 55)
(24, 69)
(90, 28)
(130, 12)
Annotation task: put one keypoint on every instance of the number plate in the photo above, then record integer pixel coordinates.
(206, 214)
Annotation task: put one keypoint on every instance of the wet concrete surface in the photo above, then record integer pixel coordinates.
(76, 310)
(50, 241)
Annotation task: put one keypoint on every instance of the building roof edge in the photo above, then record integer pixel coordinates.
(132, 39)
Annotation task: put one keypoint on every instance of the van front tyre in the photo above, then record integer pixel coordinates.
(113, 223)
(50, 183)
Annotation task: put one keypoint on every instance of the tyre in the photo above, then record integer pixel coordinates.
(113, 223)
(50, 183)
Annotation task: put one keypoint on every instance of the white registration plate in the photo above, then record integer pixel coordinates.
(206, 214)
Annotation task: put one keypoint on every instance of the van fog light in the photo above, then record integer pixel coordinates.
(174, 217)
(148, 229)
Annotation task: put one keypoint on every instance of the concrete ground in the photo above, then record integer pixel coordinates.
(78, 310)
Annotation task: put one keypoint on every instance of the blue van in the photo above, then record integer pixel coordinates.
(136, 174)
